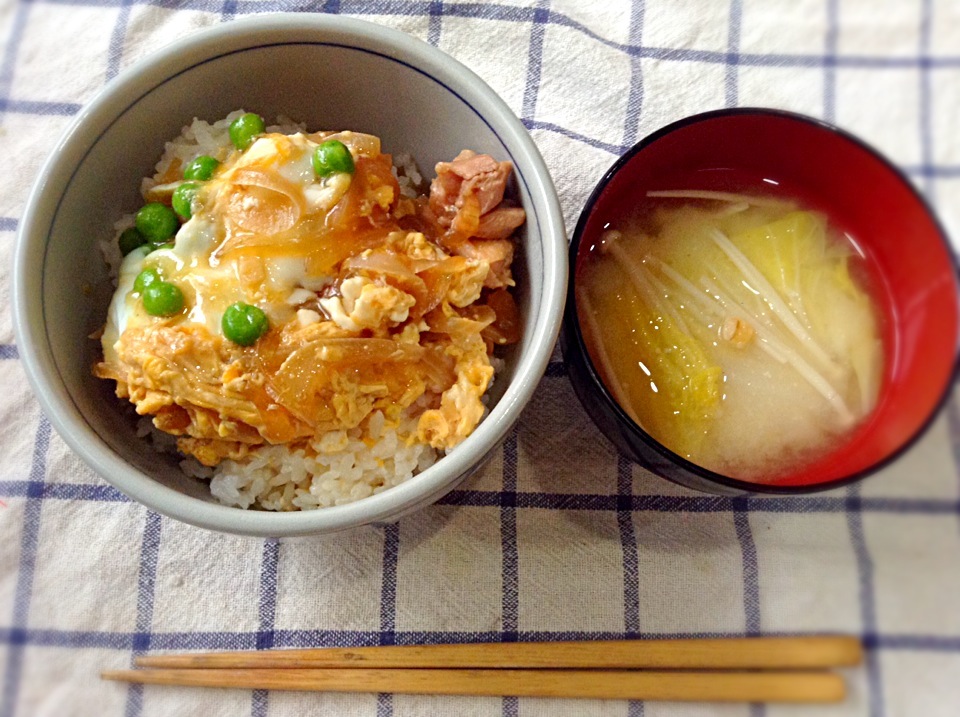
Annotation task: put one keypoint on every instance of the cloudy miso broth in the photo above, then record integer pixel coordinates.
(736, 327)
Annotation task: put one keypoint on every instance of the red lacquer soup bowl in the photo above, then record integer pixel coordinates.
(913, 280)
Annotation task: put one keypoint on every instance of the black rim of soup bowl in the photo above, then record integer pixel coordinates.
(632, 440)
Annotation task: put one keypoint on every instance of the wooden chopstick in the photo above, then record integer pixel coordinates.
(796, 687)
(760, 653)
(786, 669)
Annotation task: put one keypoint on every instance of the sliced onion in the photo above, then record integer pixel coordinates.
(506, 328)
(381, 262)
(474, 320)
(438, 278)
(357, 351)
(304, 381)
(395, 270)
(261, 202)
(439, 368)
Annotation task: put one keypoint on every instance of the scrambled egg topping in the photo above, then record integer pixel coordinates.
(375, 300)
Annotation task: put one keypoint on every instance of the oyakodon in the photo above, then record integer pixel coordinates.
(309, 323)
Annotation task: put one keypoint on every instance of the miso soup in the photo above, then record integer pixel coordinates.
(738, 329)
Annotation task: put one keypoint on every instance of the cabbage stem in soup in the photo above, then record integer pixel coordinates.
(736, 330)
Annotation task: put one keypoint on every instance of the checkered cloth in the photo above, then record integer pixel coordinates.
(558, 537)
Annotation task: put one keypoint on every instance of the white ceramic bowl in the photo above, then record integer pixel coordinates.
(330, 73)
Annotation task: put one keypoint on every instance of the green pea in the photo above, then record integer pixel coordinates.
(144, 279)
(245, 128)
(161, 298)
(331, 157)
(183, 199)
(202, 168)
(157, 222)
(244, 324)
(130, 240)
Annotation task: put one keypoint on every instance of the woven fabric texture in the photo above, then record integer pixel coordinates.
(557, 537)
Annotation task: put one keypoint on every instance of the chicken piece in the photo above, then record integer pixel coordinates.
(467, 189)
(469, 173)
(500, 223)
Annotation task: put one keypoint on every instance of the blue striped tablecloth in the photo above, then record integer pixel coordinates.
(558, 537)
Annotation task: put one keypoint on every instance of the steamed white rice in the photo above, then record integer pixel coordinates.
(340, 467)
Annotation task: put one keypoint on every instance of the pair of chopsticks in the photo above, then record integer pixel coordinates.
(763, 669)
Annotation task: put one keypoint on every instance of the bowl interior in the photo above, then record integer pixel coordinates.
(915, 276)
(328, 79)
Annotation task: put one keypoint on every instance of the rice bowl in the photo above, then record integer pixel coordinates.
(274, 64)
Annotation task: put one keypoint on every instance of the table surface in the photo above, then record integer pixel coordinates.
(558, 537)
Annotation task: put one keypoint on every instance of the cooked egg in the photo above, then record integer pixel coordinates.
(277, 278)
(360, 306)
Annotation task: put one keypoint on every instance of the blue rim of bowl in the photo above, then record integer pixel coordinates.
(41, 369)
(570, 316)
